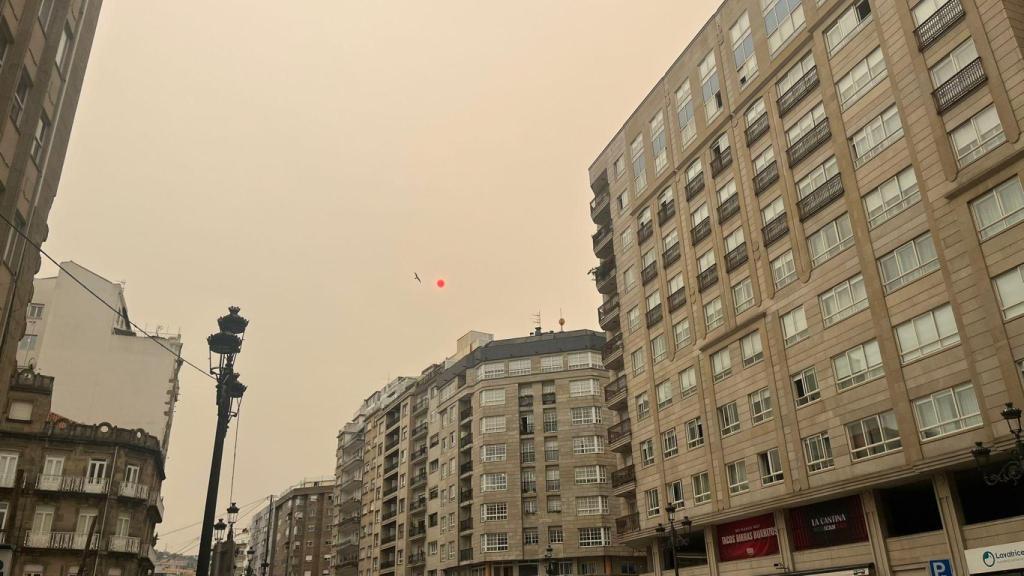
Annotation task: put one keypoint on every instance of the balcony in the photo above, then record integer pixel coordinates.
(757, 128)
(78, 484)
(390, 467)
(465, 555)
(418, 480)
(628, 523)
(465, 414)
(528, 486)
(465, 525)
(615, 391)
(967, 80)
(693, 187)
(600, 211)
(670, 255)
(602, 242)
(729, 208)
(389, 490)
(809, 142)
(156, 502)
(387, 564)
(623, 476)
(676, 299)
(798, 91)
(552, 485)
(419, 430)
(707, 278)
(387, 538)
(417, 505)
(654, 316)
(938, 23)
(526, 428)
(466, 496)
(649, 273)
(420, 405)
(547, 398)
(61, 541)
(619, 435)
(604, 277)
(666, 211)
(820, 197)
(392, 419)
(721, 161)
(124, 544)
(766, 177)
(466, 441)
(526, 401)
(644, 232)
(611, 354)
(419, 453)
(736, 257)
(701, 231)
(774, 230)
(417, 558)
(608, 313)
(466, 467)
(417, 530)
(134, 490)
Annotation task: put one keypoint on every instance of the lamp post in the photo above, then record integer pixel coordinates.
(225, 344)
(232, 518)
(686, 524)
(248, 562)
(218, 529)
(1013, 470)
(549, 565)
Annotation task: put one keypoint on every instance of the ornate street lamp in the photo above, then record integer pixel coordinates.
(549, 564)
(218, 529)
(249, 554)
(232, 518)
(686, 524)
(226, 345)
(1013, 470)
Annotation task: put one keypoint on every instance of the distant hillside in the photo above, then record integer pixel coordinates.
(181, 560)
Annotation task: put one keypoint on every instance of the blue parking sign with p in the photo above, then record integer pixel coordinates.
(940, 568)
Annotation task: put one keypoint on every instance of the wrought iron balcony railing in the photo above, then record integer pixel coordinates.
(968, 79)
(820, 197)
(938, 23)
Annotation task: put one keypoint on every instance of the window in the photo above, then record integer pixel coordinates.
(669, 443)
(684, 114)
(588, 445)
(643, 406)
(718, 150)
(664, 393)
(658, 348)
(492, 370)
(706, 261)
(494, 511)
(595, 474)
(531, 536)
(760, 406)
(947, 411)
(637, 359)
(927, 333)
(619, 167)
(675, 284)
(805, 124)
(771, 467)
(843, 300)
(864, 75)
(743, 295)
(954, 62)
(849, 21)
(626, 238)
(39, 139)
(674, 493)
(873, 435)
(585, 415)
(591, 505)
(736, 473)
(646, 453)
(721, 365)
(551, 364)
(64, 48)
(681, 333)
(805, 386)
(818, 452)
(750, 349)
(908, 262)
(694, 172)
(857, 365)
(592, 537)
(999, 208)
(495, 482)
(735, 239)
(794, 326)
(493, 397)
(493, 453)
(763, 161)
(1010, 288)
(694, 433)
(20, 97)
(528, 480)
(35, 311)
(633, 319)
(552, 479)
(20, 411)
(636, 151)
(876, 135)
(817, 177)
(28, 342)
(794, 74)
(891, 197)
(784, 270)
(555, 535)
(743, 49)
(688, 381)
(782, 18)
(658, 143)
(519, 367)
(701, 488)
(551, 449)
(580, 388)
(728, 419)
(492, 424)
(710, 89)
(713, 316)
(975, 137)
(653, 504)
(699, 214)
(623, 201)
(497, 542)
(551, 420)
(830, 239)
(527, 452)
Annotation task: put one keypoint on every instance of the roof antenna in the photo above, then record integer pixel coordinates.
(561, 321)
(536, 324)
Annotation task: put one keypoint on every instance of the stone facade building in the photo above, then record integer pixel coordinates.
(813, 288)
(301, 530)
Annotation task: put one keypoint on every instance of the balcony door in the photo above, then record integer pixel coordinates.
(42, 524)
(53, 471)
(84, 526)
(8, 468)
(96, 476)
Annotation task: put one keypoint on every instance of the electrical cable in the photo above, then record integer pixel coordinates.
(97, 296)
(234, 451)
(194, 524)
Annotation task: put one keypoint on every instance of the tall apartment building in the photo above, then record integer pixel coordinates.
(488, 461)
(301, 530)
(260, 538)
(828, 191)
(348, 496)
(44, 49)
(75, 498)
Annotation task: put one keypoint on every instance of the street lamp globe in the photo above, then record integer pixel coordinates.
(232, 513)
(218, 529)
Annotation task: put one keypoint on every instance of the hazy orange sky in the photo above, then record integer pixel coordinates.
(302, 159)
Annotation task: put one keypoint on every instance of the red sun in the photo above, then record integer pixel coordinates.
(440, 282)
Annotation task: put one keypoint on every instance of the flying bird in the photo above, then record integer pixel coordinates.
(417, 277)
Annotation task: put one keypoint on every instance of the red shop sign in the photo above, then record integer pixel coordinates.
(829, 523)
(748, 538)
